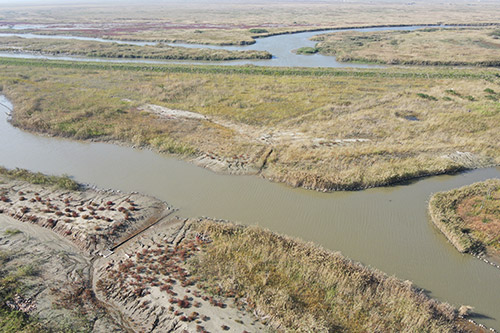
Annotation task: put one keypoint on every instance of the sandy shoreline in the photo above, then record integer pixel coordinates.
(93, 220)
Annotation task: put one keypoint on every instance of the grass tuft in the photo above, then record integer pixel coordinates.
(63, 182)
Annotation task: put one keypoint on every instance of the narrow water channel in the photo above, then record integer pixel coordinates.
(280, 46)
(386, 228)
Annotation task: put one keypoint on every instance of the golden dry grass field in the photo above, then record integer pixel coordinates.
(314, 128)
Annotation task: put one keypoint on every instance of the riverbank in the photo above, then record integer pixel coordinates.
(469, 218)
(164, 277)
(291, 128)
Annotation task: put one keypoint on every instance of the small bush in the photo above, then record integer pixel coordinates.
(27, 270)
(258, 31)
(307, 50)
(425, 96)
(11, 232)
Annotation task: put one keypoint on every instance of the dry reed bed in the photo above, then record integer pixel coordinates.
(297, 286)
(320, 129)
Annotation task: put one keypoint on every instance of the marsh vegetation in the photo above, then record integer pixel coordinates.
(429, 46)
(299, 285)
(114, 50)
(470, 217)
(315, 128)
(234, 23)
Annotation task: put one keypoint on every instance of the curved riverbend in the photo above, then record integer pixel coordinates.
(280, 46)
(387, 228)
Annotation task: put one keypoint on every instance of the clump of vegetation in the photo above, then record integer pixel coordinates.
(63, 182)
(301, 286)
(12, 232)
(425, 96)
(307, 50)
(453, 92)
(258, 31)
(470, 217)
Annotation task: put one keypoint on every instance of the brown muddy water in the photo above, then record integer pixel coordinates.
(386, 228)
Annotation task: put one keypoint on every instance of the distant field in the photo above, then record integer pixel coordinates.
(472, 46)
(224, 22)
(114, 50)
(314, 128)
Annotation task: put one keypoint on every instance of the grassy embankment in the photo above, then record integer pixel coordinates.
(451, 47)
(235, 23)
(299, 286)
(324, 129)
(470, 217)
(114, 50)
(62, 182)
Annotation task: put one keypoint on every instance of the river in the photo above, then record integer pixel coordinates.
(386, 228)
